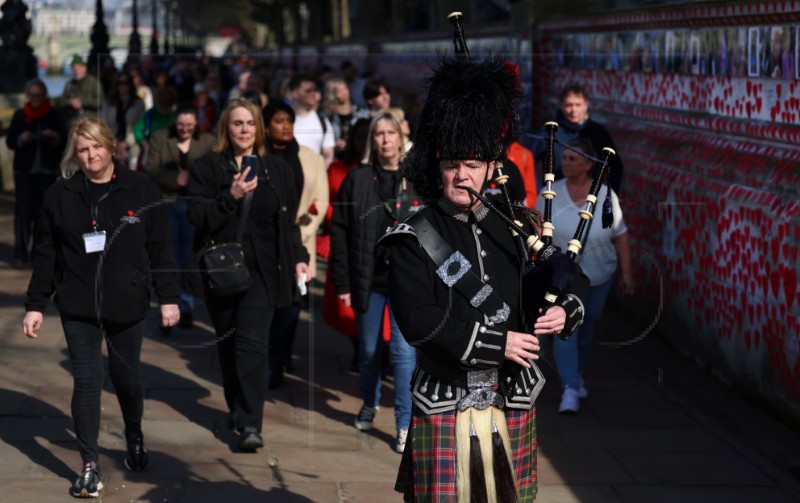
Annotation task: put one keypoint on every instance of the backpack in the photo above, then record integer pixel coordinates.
(323, 122)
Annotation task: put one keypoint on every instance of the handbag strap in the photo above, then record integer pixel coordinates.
(248, 201)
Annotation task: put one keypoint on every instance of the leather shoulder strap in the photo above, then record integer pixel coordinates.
(456, 271)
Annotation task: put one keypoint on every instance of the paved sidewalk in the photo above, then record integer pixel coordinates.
(654, 427)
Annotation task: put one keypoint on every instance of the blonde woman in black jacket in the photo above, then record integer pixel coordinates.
(100, 232)
(373, 198)
(273, 254)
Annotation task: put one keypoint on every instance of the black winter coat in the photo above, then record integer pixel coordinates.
(215, 214)
(25, 155)
(138, 247)
(356, 227)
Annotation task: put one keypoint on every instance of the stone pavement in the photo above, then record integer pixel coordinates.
(654, 428)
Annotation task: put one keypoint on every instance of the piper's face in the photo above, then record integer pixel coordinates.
(458, 174)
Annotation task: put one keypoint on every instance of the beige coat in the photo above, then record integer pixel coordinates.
(315, 190)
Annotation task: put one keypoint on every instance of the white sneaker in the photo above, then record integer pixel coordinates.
(582, 391)
(400, 446)
(570, 402)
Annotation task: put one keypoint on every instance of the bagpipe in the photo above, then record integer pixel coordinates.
(548, 272)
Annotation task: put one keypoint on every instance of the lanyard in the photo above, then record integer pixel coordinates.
(401, 197)
(93, 207)
(402, 194)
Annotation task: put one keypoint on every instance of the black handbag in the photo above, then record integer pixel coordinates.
(224, 270)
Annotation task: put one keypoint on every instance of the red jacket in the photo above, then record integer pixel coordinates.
(523, 158)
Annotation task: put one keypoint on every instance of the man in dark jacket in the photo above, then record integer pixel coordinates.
(82, 94)
(467, 301)
(574, 123)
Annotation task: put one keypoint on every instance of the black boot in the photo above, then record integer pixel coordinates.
(137, 457)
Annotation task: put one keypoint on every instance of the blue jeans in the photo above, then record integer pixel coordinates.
(571, 355)
(403, 358)
(182, 238)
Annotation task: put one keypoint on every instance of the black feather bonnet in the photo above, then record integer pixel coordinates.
(470, 113)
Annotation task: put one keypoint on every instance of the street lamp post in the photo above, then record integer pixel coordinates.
(135, 42)
(154, 37)
(167, 26)
(99, 37)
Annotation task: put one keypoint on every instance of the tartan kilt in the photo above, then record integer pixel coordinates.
(428, 468)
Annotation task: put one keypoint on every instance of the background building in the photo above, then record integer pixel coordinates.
(61, 20)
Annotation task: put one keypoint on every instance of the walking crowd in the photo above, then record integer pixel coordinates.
(229, 180)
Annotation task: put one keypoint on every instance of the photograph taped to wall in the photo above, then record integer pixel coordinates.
(753, 52)
(737, 45)
(653, 57)
(797, 52)
(694, 54)
(787, 54)
(669, 51)
(765, 53)
(717, 53)
(772, 68)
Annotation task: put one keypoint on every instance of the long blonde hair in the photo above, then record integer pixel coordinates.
(385, 115)
(224, 143)
(93, 129)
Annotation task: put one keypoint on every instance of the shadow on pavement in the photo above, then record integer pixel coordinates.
(45, 425)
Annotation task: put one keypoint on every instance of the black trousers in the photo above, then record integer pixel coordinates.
(242, 326)
(84, 343)
(281, 336)
(29, 190)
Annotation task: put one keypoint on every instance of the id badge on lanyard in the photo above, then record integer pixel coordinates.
(94, 242)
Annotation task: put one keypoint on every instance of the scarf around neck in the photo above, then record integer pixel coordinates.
(34, 114)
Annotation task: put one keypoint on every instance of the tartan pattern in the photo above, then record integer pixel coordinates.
(522, 432)
(428, 468)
